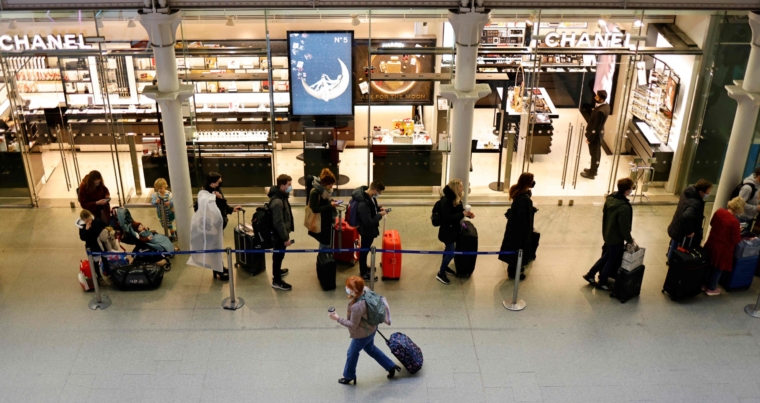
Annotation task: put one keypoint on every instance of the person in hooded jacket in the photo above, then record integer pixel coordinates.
(689, 216)
(725, 234)
(452, 213)
(369, 214)
(282, 222)
(320, 202)
(617, 219)
(519, 231)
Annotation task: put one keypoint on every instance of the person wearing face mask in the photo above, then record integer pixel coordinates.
(369, 214)
(214, 186)
(320, 202)
(452, 213)
(689, 216)
(94, 196)
(519, 231)
(362, 333)
(595, 133)
(617, 220)
(282, 221)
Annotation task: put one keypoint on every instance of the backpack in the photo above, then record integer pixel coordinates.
(435, 215)
(353, 213)
(263, 226)
(738, 189)
(375, 308)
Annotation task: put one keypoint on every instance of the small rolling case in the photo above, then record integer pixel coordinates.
(345, 237)
(391, 261)
(326, 269)
(686, 272)
(405, 351)
(467, 242)
(628, 283)
(253, 263)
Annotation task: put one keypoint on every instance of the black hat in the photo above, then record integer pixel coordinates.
(602, 94)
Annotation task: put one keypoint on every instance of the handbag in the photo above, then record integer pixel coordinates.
(312, 221)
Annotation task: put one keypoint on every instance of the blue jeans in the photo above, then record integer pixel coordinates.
(450, 247)
(366, 243)
(712, 281)
(368, 345)
(673, 246)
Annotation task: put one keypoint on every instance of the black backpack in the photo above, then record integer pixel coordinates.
(263, 226)
(738, 190)
(435, 215)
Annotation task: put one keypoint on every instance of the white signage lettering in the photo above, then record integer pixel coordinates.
(571, 40)
(21, 43)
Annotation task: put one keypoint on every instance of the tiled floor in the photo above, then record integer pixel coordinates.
(176, 344)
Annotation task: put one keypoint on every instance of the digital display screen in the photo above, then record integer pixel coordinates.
(321, 81)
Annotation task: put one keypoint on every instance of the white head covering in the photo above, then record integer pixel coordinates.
(207, 233)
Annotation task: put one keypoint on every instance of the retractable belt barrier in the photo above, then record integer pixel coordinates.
(233, 303)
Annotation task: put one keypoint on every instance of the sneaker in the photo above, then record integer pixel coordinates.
(713, 293)
(281, 285)
(590, 278)
(284, 272)
(604, 287)
(443, 279)
(366, 279)
(452, 272)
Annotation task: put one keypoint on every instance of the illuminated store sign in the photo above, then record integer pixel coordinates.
(573, 40)
(50, 42)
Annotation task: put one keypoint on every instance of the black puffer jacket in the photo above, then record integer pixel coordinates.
(689, 215)
(368, 213)
(282, 215)
(320, 202)
(519, 231)
(451, 217)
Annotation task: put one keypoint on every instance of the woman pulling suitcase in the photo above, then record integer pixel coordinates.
(362, 333)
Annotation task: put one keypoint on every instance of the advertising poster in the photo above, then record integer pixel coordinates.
(320, 72)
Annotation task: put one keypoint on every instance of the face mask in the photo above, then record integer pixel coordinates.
(376, 195)
(705, 196)
(289, 189)
(348, 291)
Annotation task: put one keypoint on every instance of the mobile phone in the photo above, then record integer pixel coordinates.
(292, 241)
(339, 201)
(388, 210)
(108, 199)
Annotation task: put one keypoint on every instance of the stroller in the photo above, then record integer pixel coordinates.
(121, 222)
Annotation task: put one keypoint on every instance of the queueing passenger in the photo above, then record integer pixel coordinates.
(519, 231)
(689, 216)
(162, 200)
(94, 196)
(725, 234)
(320, 202)
(214, 186)
(749, 193)
(617, 220)
(369, 214)
(282, 222)
(362, 334)
(93, 232)
(452, 213)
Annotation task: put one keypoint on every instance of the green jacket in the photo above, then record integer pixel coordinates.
(617, 220)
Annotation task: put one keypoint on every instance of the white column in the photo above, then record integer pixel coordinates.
(162, 26)
(747, 94)
(464, 92)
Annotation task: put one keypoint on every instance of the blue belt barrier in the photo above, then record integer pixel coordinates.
(402, 251)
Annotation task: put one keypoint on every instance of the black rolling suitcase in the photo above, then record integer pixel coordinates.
(467, 242)
(326, 268)
(253, 263)
(686, 272)
(628, 283)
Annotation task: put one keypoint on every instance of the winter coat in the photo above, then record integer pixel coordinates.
(91, 236)
(617, 220)
(751, 202)
(595, 129)
(451, 217)
(724, 236)
(688, 217)
(519, 231)
(321, 203)
(368, 213)
(282, 215)
(88, 200)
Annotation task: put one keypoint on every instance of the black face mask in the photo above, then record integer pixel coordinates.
(532, 185)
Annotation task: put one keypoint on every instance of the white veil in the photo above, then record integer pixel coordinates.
(207, 232)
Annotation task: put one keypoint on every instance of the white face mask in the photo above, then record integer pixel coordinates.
(348, 291)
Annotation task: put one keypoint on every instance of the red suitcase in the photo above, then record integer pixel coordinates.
(346, 237)
(391, 261)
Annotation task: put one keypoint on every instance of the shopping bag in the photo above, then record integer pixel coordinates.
(633, 257)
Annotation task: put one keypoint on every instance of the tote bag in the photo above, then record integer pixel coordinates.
(312, 221)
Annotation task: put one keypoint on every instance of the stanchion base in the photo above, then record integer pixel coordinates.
(750, 310)
(517, 306)
(104, 303)
(496, 186)
(227, 303)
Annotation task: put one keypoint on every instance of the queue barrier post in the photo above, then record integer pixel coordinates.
(373, 251)
(516, 304)
(232, 303)
(753, 310)
(101, 301)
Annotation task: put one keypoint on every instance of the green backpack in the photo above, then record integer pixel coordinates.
(375, 308)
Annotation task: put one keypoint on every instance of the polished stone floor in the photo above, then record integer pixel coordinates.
(176, 344)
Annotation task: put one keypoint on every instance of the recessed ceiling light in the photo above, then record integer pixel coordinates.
(230, 21)
(12, 25)
(131, 23)
(355, 20)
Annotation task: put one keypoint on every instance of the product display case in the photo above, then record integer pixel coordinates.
(654, 102)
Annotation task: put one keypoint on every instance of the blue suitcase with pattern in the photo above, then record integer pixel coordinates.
(405, 351)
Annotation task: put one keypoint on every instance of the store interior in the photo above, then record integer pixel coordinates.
(83, 109)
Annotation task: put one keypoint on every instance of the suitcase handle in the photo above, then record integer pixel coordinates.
(238, 216)
(381, 335)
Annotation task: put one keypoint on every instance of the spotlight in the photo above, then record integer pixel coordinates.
(531, 20)
(230, 21)
(603, 21)
(12, 25)
(638, 23)
(355, 20)
(131, 23)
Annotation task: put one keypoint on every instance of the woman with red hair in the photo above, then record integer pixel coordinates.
(362, 333)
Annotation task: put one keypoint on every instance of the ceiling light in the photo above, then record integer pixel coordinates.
(131, 23)
(12, 25)
(603, 20)
(230, 21)
(638, 23)
(355, 20)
